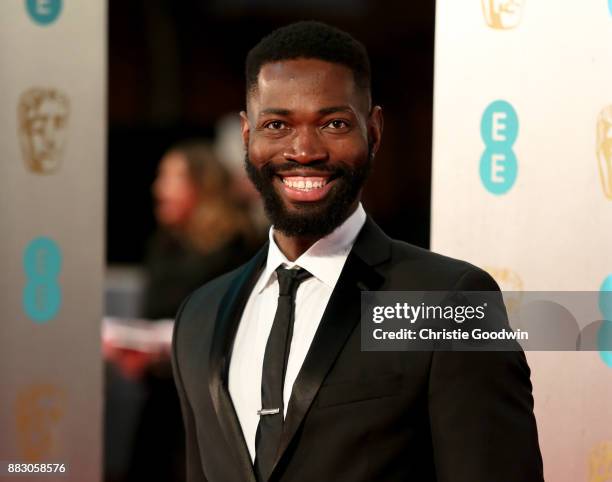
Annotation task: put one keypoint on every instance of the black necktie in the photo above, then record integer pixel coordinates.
(273, 374)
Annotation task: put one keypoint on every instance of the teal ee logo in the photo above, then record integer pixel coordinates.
(42, 294)
(499, 130)
(610, 6)
(604, 335)
(44, 12)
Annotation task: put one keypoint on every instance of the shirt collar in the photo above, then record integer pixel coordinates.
(324, 259)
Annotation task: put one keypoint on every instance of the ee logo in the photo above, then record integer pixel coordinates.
(604, 335)
(44, 12)
(42, 294)
(499, 130)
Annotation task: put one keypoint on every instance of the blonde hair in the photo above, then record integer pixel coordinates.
(218, 218)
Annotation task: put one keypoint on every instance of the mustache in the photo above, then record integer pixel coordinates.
(271, 169)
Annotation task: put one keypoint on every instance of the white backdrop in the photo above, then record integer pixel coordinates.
(52, 168)
(522, 185)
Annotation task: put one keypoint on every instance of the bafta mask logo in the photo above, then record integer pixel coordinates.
(502, 14)
(511, 285)
(600, 463)
(507, 279)
(42, 116)
(38, 410)
(604, 149)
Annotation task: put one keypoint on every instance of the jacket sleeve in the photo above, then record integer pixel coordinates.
(194, 469)
(481, 410)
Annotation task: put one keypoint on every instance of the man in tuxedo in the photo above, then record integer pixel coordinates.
(267, 358)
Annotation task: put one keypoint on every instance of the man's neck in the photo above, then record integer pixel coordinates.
(295, 246)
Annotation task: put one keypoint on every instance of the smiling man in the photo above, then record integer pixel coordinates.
(267, 359)
(311, 135)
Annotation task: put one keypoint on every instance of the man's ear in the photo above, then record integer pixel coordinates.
(375, 129)
(244, 129)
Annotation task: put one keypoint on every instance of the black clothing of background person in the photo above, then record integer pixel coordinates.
(174, 270)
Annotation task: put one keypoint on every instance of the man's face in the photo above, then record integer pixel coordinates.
(310, 137)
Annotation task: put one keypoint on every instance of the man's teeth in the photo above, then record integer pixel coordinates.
(304, 184)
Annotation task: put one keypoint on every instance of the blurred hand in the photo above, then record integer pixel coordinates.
(133, 363)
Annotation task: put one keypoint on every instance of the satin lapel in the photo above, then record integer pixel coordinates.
(339, 320)
(228, 319)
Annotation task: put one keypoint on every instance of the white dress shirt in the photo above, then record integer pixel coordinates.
(324, 260)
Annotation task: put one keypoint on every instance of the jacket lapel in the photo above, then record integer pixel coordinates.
(228, 319)
(342, 314)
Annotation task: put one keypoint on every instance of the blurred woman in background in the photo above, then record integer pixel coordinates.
(202, 233)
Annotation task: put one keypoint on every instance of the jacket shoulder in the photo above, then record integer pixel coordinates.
(205, 300)
(425, 270)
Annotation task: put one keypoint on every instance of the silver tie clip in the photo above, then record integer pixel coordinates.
(268, 411)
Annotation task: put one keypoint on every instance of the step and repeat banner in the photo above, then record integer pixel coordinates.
(52, 180)
(522, 185)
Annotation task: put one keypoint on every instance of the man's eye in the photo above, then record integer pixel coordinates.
(275, 125)
(337, 124)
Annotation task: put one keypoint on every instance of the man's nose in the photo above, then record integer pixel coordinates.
(306, 147)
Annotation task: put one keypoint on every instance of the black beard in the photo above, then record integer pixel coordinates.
(310, 220)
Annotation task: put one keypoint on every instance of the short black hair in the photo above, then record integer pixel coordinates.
(310, 40)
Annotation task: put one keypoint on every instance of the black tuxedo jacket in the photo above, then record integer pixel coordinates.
(361, 416)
